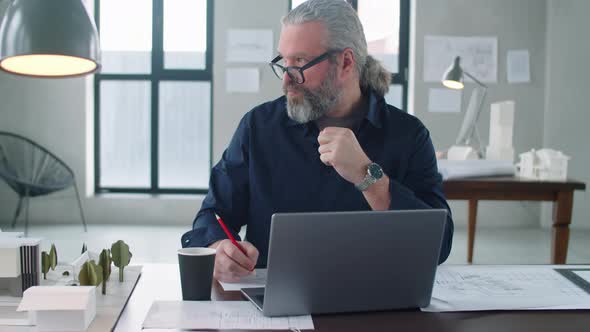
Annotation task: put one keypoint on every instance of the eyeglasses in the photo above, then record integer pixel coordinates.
(296, 73)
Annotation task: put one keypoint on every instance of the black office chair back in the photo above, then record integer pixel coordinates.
(31, 170)
(28, 167)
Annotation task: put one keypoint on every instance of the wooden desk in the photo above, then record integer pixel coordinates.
(161, 282)
(519, 189)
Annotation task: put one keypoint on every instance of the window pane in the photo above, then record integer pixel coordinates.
(295, 3)
(125, 134)
(380, 19)
(185, 34)
(395, 96)
(126, 36)
(184, 136)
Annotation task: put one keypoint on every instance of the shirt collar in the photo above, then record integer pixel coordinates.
(376, 105)
(373, 115)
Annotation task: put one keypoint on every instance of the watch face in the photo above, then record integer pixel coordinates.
(375, 171)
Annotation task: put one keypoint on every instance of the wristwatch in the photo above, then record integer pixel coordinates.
(374, 173)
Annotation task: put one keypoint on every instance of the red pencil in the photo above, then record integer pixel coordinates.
(231, 238)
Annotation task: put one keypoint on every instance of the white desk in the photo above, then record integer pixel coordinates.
(157, 282)
(162, 282)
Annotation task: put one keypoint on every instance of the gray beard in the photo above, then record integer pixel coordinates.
(314, 105)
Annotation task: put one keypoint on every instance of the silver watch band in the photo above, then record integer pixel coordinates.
(374, 173)
(366, 183)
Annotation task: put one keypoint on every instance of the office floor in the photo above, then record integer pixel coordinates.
(159, 243)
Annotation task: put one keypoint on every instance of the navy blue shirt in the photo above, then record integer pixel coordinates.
(272, 164)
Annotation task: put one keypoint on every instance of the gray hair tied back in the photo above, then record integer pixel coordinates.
(344, 31)
(375, 76)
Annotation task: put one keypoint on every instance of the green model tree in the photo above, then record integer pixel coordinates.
(121, 256)
(105, 263)
(90, 274)
(45, 264)
(53, 257)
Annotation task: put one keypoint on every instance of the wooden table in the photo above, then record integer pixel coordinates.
(519, 189)
(162, 282)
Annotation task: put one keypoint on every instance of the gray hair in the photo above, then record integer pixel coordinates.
(344, 31)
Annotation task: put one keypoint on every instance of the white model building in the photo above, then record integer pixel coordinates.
(501, 131)
(60, 308)
(20, 263)
(544, 164)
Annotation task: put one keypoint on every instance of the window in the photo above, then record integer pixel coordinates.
(387, 29)
(153, 96)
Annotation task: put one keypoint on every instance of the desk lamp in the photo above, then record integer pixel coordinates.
(48, 38)
(468, 143)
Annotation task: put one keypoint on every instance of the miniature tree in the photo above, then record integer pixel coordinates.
(105, 263)
(90, 274)
(53, 257)
(121, 256)
(45, 264)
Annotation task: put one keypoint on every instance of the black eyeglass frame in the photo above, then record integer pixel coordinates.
(273, 64)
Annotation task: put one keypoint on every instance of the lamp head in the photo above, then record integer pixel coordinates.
(453, 76)
(48, 38)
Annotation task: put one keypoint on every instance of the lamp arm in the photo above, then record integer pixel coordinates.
(479, 107)
(475, 79)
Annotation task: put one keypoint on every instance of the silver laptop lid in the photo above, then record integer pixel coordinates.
(352, 261)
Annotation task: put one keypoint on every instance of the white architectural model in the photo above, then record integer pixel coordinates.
(544, 164)
(20, 263)
(501, 130)
(462, 152)
(60, 308)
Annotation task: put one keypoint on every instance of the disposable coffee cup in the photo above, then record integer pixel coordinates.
(196, 273)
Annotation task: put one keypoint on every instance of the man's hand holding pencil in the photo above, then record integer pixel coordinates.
(234, 260)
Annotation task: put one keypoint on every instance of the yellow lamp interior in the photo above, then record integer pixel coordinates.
(49, 65)
(453, 84)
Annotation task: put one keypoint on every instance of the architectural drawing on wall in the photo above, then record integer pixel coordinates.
(518, 66)
(249, 45)
(21, 264)
(479, 56)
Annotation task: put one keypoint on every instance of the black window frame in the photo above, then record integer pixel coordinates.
(401, 77)
(158, 74)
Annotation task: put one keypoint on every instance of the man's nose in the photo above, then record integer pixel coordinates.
(286, 77)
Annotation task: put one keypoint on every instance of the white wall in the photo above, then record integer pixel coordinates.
(518, 25)
(229, 108)
(567, 114)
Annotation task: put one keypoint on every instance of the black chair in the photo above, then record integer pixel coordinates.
(31, 171)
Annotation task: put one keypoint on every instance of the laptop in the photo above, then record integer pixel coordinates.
(329, 262)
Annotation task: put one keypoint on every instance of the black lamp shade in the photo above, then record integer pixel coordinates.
(48, 38)
(453, 76)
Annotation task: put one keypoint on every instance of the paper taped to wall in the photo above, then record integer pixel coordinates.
(479, 56)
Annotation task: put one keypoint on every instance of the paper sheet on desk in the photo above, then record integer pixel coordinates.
(453, 169)
(218, 315)
(505, 287)
(256, 280)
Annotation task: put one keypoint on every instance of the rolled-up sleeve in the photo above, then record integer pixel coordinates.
(421, 188)
(227, 195)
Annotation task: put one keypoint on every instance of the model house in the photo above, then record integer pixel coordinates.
(60, 308)
(544, 164)
(20, 263)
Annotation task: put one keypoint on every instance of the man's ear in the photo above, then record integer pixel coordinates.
(348, 62)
